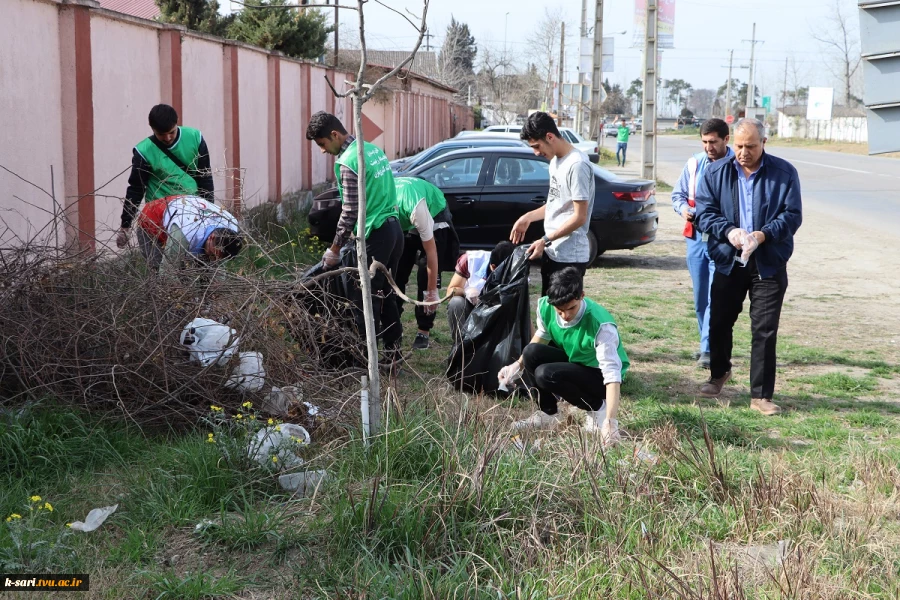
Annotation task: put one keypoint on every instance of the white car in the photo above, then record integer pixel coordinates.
(568, 134)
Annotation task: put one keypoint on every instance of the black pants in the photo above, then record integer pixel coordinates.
(726, 302)
(548, 369)
(414, 255)
(385, 245)
(550, 266)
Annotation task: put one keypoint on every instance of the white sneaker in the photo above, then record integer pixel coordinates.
(539, 420)
(594, 420)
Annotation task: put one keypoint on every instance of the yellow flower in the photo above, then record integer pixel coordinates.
(215, 408)
(35, 498)
(68, 524)
(239, 416)
(271, 421)
(278, 428)
(274, 459)
(210, 439)
(247, 404)
(48, 506)
(13, 516)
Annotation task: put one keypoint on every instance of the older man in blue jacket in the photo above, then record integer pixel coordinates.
(741, 203)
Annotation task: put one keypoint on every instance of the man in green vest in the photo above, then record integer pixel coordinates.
(576, 354)
(622, 137)
(174, 161)
(430, 242)
(384, 237)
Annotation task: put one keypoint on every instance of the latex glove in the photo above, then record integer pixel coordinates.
(736, 237)
(609, 433)
(431, 296)
(509, 373)
(122, 237)
(331, 259)
(472, 295)
(748, 245)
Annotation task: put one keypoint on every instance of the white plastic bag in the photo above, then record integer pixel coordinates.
(209, 342)
(249, 375)
(94, 519)
(277, 442)
(748, 245)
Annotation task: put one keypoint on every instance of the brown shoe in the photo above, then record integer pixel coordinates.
(713, 387)
(765, 406)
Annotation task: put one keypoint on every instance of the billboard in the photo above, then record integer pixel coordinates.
(586, 58)
(666, 27)
(820, 103)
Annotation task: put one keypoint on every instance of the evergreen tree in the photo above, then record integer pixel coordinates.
(298, 33)
(198, 15)
(459, 49)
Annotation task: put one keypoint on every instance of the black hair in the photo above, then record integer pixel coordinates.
(717, 126)
(501, 252)
(228, 241)
(163, 118)
(322, 124)
(565, 286)
(537, 126)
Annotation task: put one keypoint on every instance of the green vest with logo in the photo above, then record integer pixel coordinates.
(622, 135)
(381, 194)
(411, 190)
(167, 178)
(578, 341)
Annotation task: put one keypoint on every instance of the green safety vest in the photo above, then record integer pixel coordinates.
(624, 132)
(381, 194)
(167, 178)
(410, 191)
(578, 341)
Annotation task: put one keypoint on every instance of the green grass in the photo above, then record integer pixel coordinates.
(442, 505)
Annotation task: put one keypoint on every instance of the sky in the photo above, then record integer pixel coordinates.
(705, 30)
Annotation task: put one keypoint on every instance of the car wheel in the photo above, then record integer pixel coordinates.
(594, 250)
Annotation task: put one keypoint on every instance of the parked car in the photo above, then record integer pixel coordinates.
(638, 123)
(576, 140)
(401, 165)
(517, 129)
(488, 188)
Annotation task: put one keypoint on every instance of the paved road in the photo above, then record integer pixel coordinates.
(863, 190)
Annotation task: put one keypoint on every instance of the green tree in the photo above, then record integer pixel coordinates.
(298, 33)
(635, 93)
(459, 47)
(679, 89)
(198, 15)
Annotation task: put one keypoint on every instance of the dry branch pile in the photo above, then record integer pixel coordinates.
(104, 334)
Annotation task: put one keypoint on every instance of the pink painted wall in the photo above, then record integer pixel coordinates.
(254, 101)
(322, 168)
(293, 129)
(29, 86)
(202, 72)
(123, 96)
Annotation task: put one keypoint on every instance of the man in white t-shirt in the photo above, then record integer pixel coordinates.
(174, 228)
(570, 200)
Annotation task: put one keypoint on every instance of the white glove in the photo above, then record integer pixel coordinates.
(736, 237)
(122, 238)
(748, 245)
(431, 296)
(472, 295)
(509, 373)
(609, 433)
(330, 259)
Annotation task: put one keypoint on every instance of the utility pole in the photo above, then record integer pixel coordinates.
(559, 85)
(648, 113)
(784, 86)
(337, 28)
(577, 92)
(728, 84)
(751, 86)
(597, 76)
(428, 37)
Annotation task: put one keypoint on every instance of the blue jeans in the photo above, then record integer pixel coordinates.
(622, 147)
(701, 268)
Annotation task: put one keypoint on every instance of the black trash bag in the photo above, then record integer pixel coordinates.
(334, 299)
(497, 330)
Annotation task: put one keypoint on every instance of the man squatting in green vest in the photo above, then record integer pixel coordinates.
(384, 237)
(426, 221)
(576, 354)
(154, 174)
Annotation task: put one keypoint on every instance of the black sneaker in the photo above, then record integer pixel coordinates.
(421, 342)
(703, 360)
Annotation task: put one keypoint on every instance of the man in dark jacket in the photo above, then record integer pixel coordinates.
(174, 161)
(751, 209)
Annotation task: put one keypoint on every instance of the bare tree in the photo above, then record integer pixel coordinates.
(543, 49)
(700, 102)
(841, 40)
(493, 78)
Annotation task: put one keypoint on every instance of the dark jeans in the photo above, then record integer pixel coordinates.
(548, 369)
(550, 266)
(623, 148)
(726, 302)
(385, 245)
(414, 255)
(458, 310)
